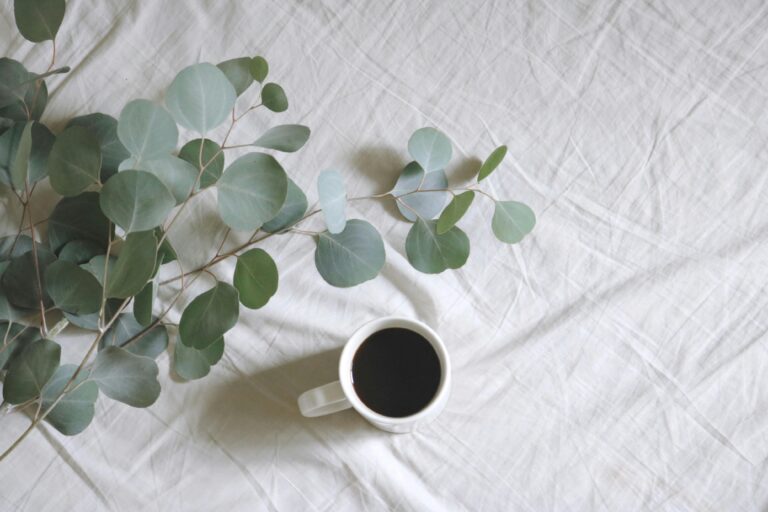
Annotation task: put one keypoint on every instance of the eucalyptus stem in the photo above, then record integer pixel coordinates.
(38, 278)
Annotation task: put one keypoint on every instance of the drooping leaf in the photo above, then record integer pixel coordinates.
(20, 282)
(209, 316)
(20, 166)
(251, 191)
(104, 129)
(18, 338)
(136, 200)
(134, 266)
(30, 370)
(259, 69)
(138, 339)
(287, 138)
(512, 221)
(74, 163)
(190, 363)
(200, 97)
(177, 175)
(255, 278)
(126, 377)
(491, 163)
(211, 160)
(165, 252)
(454, 211)
(432, 253)
(78, 218)
(430, 148)
(42, 143)
(351, 257)
(13, 246)
(238, 72)
(38, 20)
(293, 209)
(143, 302)
(147, 131)
(72, 288)
(74, 412)
(273, 97)
(80, 251)
(425, 205)
(333, 200)
(91, 321)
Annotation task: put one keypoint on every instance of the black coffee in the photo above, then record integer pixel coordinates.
(396, 372)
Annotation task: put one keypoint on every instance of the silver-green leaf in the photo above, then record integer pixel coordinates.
(127, 333)
(414, 204)
(190, 363)
(200, 97)
(512, 221)
(432, 253)
(287, 138)
(136, 200)
(431, 148)
(74, 411)
(454, 211)
(293, 209)
(126, 377)
(209, 159)
(178, 175)
(104, 128)
(333, 200)
(351, 257)
(238, 72)
(146, 130)
(209, 316)
(30, 371)
(72, 288)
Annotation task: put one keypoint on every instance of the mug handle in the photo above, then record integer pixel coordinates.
(323, 400)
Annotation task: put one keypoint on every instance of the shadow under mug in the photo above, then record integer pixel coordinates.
(340, 395)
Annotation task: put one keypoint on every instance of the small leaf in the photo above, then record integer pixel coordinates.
(430, 148)
(209, 316)
(432, 253)
(143, 302)
(293, 209)
(136, 200)
(191, 363)
(259, 69)
(420, 204)
(13, 246)
(20, 283)
(238, 72)
(104, 129)
(251, 191)
(273, 97)
(287, 138)
(74, 163)
(211, 160)
(137, 339)
(454, 211)
(512, 221)
(147, 131)
(200, 97)
(72, 289)
(20, 167)
(177, 175)
(126, 377)
(38, 20)
(91, 321)
(134, 266)
(30, 370)
(255, 278)
(74, 412)
(351, 257)
(80, 251)
(333, 200)
(491, 163)
(78, 218)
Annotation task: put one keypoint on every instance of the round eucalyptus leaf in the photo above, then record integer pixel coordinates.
(190, 363)
(238, 72)
(143, 302)
(126, 377)
(210, 160)
(96, 266)
(430, 148)
(454, 211)
(38, 20)
(178, 175)
(512, 221)
(333, 200)
(20, 283)
(15, 83)
(74, 163)
(13, 246)
(209, 316)
(273, 97)
(251, 191)
(287, 138)
(259, 69)
(255, 278)
(147, 131)
(136, 200)
(104, 129)
(19, 337)
(41, 143)
(31, 106)
(74, 411)
(137, 339)
(165, 253)
(20, 165)
(492, 162)
(72, 288)
(30, 370)
(293, 209)
(80, 251)
(351, 257)
(7, 310)
(200, 97)
(134, 266)
(425, 205)
(432, 253)
(78, 218)
(91, 321)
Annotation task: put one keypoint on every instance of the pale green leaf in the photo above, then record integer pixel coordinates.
(177, 175)
(287, 138)
(430, 148)
(200, 97)
(30, 370)
(333, 200)
(190, 363)
(126, 377)
(425, 205)
(210, 159)
(293, 209)
(74, 411)
(127, 333)
(136, 200)
(351, 257)
(238, 72)
(104, 129)
(147, 131)
(134, 266)
(72, 288)
(512, 221)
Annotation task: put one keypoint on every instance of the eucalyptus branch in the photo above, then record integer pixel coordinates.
(38, 277)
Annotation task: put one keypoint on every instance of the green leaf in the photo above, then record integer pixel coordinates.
(13, 247)
(200, 97)
(29, 102)
(293, 209)
(351, 257)
(147, 131)
(78, 218)
(165, 253)
(91, 321)
(74, 411)
(38, 20)
(177, 175)
(7, 310)
(238, 72)
(432, 253)
(72, 289)
(212, 158)
(42, 141)
(143, 302)
(273, 97)
(19, 281)
(333, 200)
(286, 137)
(96, 266)
(30, 370)
(104, 129)
(209, 316)
(134, 266)
(126, 377)
(491, 163)
(80, 251)
(136, 200)
(420, 204)
(251, 191)
(191, 363)
(454, 211)
(137, 339)
(19, 337)
(74, 163)
(512, 221)
(255, 278)
(15, 83)
(259, 69)
(20, 167)
(430, 148)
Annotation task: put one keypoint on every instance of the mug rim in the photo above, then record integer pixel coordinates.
(362, 334)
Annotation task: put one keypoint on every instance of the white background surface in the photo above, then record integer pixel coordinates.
(615, 360)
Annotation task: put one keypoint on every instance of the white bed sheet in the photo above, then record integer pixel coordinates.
(615, 360)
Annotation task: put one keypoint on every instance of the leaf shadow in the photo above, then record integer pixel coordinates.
(465, 171)
(381, 165)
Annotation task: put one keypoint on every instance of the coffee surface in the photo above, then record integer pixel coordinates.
(396, 372)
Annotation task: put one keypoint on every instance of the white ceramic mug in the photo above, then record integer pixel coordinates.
(340, 395)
